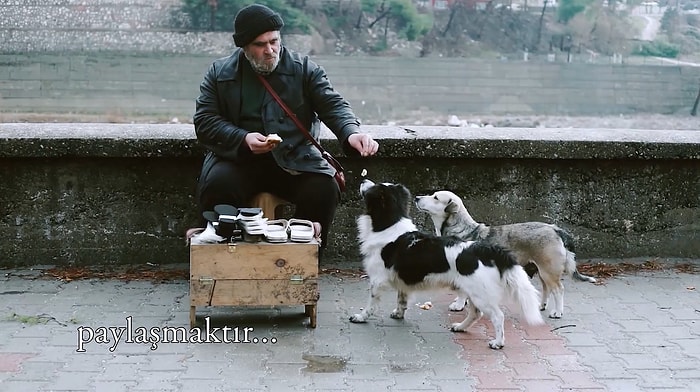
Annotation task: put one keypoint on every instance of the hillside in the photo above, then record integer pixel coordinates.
(451, 33)
(465, 28)
(495, 31)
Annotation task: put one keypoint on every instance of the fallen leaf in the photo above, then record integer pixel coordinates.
(339, 272)
(69, 274)
(605, 270)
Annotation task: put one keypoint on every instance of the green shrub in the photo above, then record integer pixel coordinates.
(570, 8)
(411, 24)
(657, 49)
(204, 16)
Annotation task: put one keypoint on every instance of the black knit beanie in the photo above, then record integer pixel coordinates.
(253, 20)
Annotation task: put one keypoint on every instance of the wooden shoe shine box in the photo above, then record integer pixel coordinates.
(254, 274)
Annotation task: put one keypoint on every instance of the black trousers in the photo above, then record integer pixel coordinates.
(316, 196)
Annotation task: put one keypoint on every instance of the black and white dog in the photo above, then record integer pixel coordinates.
(397, 255)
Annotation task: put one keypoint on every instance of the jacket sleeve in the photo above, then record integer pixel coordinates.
(215, 132)
(332, 109)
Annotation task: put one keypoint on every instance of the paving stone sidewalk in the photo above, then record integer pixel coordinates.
(638, 332)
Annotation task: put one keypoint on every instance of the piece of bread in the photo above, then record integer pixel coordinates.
(273, 138)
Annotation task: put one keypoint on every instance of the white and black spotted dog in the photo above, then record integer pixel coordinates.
(397, 255)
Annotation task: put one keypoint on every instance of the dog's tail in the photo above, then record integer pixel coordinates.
(571, 268)
(517, 283)
(568, 241)
(521, 290)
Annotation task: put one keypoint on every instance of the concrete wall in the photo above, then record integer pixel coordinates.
(98, 194)
(380, 89)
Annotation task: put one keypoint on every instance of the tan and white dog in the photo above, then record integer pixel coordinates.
(548, 246)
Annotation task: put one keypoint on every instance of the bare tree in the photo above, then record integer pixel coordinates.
(456, 7)
(383, 13)
(605, 33)
(538, 37)
(386, 27)
(213, 5)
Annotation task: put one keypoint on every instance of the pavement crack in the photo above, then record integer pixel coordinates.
(178, 298)
(562, 326)
(38, 319)
(174, 309)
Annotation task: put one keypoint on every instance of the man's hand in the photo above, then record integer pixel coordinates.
(363, 143)
(258, 144)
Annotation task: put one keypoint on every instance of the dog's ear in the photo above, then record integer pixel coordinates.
(451, 207)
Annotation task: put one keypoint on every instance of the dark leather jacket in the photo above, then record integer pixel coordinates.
(301, 84)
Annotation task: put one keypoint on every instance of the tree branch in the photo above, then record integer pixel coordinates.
(380, 17)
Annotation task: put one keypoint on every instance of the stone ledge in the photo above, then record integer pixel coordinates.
(102, 194)
(55, 140)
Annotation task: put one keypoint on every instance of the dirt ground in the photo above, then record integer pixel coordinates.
(639, 121)
(636, 121)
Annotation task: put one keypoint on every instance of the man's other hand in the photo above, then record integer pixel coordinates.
(363, 143)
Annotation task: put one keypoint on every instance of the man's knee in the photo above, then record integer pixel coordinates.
(321, 190)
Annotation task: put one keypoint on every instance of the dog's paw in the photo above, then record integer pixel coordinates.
(555, 315)
(357, 318)
(456, 306)
(456, 328)
(396, 314)
(495, 344)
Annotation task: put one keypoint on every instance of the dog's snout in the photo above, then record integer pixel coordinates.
(364, 185)
(418, 201)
